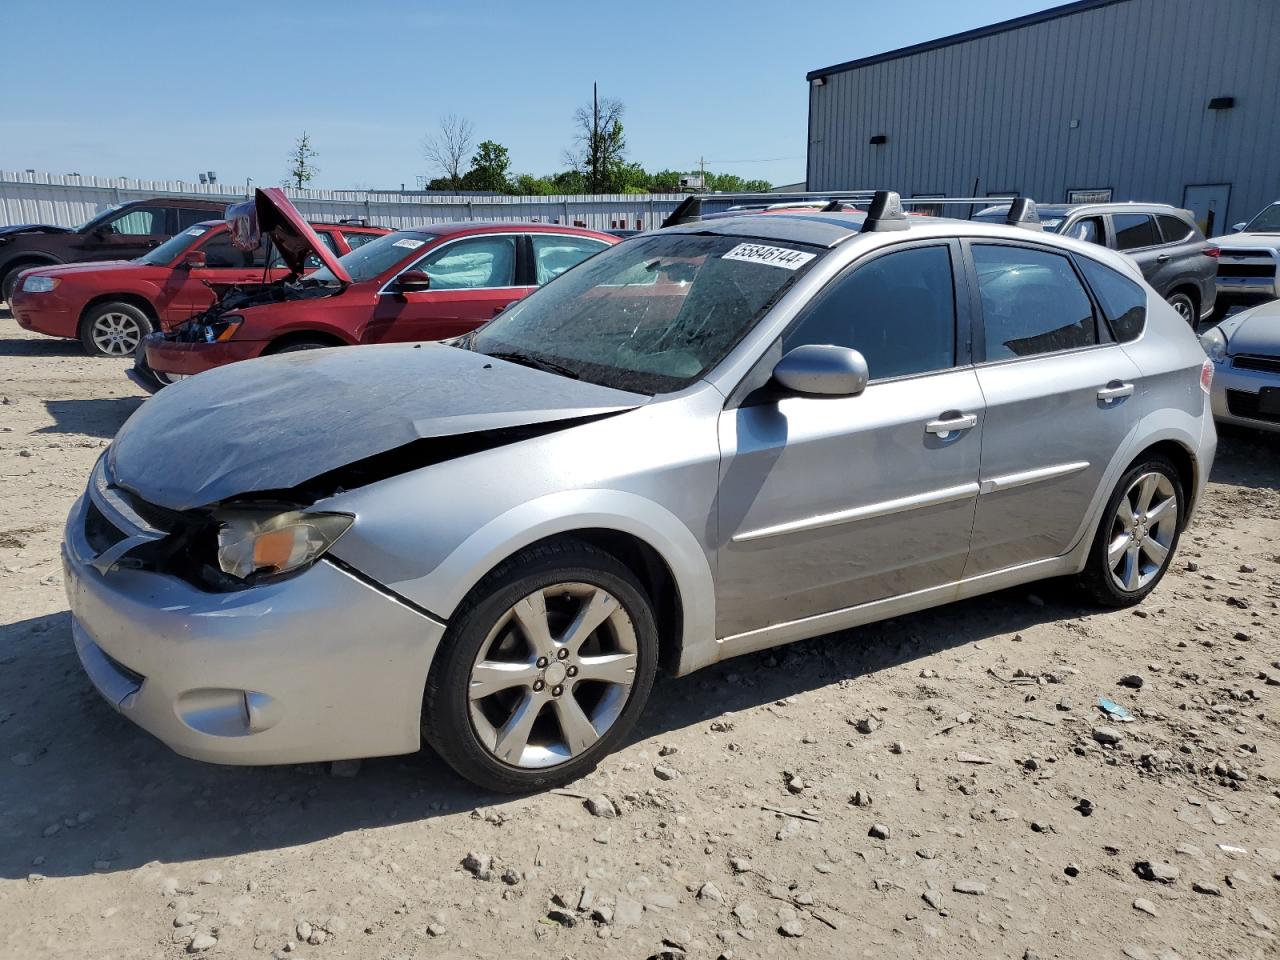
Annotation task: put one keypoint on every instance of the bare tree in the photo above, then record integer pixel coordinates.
(450, 149)
(599, 145)
(301, 168)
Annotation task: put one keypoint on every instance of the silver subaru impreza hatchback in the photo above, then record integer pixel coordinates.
(710, 439)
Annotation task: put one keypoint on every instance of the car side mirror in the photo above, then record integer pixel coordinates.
(1238, 227)
(196, 258)
(413, 281)
(822, 370)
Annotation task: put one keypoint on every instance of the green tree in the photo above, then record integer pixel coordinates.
(489, 168)
(302, 169)
(527, 185)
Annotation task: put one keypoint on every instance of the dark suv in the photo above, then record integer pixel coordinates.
(1165, 242)
(121, 233)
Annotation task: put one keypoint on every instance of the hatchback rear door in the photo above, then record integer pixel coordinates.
(828, 503)
(1057, 391)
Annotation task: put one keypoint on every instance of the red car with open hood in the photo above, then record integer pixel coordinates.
(431, 283)
(110, 306)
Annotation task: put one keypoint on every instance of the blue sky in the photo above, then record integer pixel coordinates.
(164, 89)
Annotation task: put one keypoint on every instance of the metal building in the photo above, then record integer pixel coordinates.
(1173, 101)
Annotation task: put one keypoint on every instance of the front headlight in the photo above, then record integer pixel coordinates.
(39, 284)
(269, 544)
(1215, 344)
(222, 329)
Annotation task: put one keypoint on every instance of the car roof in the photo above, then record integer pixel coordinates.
(177, 202)
(502, 226)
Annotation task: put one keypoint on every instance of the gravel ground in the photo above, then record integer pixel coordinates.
(943, 782)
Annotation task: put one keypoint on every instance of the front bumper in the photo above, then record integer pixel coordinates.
(322, 666)
(47, 313)
(180, 357)
(1238, 388)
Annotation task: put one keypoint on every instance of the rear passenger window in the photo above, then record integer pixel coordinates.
(1173, 229)
(1032, 302)
(898, 310)
(221, 254)
(1124, 301)
(1134, 230)
(189, 218)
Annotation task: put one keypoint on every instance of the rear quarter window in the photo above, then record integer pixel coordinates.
(1173, 229)
(1123, 301)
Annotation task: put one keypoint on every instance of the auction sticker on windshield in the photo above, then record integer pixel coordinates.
(773, 256)
(409, 243)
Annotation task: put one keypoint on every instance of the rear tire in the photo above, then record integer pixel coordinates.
(1186, 308)
(1137, 536)
(544, 669)
(113, 330)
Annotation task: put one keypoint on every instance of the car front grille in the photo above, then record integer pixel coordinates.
(1256, 361)
(1241, 403)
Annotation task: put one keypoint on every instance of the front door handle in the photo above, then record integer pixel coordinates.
(950, 421)
(1115, 390)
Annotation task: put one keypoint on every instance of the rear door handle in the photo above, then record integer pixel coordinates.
(951, 421)
(1115, 390)
(1164, 258)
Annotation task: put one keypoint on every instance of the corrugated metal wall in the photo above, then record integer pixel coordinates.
(997, 111)
(68, 201)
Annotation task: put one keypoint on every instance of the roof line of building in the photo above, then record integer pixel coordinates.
(1053, 13)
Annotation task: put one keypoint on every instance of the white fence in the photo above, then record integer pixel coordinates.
(68, 201)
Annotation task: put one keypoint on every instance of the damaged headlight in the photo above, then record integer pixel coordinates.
(223, 328)
(269, 544)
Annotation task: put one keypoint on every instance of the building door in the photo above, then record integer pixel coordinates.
(1208, 202)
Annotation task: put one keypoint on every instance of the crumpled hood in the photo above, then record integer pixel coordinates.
(1255, 331)
(276, 422)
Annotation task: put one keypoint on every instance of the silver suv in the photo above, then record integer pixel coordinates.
(1163, 241)
(707, 440)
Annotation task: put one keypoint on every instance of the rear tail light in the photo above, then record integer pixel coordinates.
(1213, 252)
(1206, 376)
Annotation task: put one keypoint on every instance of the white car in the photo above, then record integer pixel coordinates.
(1245, 350)
(1249, 264)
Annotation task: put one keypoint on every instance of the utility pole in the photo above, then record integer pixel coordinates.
(702, 172)
(595, 138)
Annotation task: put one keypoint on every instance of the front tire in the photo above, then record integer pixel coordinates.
(544, 669)
(1138, 534)
(113, 330)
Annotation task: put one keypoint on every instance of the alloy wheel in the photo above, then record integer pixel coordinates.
(117, 334)
(553, 675)
(1142, 531)
(1183, 307)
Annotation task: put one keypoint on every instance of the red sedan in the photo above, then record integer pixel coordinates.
(110, 306)
(431, 283)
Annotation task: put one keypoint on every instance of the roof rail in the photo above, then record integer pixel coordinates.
(689, 211)
(885, 213)
(1022, 213)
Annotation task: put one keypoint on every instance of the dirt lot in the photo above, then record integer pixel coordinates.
(946, 787)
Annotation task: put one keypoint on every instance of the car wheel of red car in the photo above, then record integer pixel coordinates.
(302, 345)
(113, 330)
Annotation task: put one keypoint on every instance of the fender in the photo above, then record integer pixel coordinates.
(28, 260)
(1157, 426)
(441, 590)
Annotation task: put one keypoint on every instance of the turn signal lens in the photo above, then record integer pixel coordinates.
(1213, 252)
(251, 544)
(1206, 376)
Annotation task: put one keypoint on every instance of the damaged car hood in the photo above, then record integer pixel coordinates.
(274, 423)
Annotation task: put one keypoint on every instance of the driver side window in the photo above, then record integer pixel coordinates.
(140, 222)
(898, 310)
(472, 263)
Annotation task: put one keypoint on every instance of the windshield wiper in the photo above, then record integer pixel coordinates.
(537, 363)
